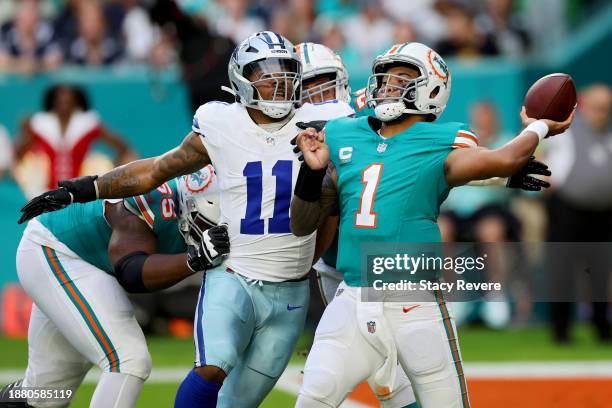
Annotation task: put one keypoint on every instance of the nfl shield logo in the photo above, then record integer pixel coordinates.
(371, 326)
(381, 147)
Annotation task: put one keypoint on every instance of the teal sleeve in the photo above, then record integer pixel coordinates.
(157, 207)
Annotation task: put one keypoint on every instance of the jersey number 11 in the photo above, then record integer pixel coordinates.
(252, 223)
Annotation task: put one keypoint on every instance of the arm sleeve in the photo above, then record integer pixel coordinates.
(465, 137)
(157, 207)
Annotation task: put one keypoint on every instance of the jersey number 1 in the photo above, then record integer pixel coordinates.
(365, 218)
(252, 223)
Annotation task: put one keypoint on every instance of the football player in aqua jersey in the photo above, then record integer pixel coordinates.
(255, 304)
(77, 265)
(388, 174)
(325, 78)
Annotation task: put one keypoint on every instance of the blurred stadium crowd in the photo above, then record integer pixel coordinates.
(199, 36)
(44, 34)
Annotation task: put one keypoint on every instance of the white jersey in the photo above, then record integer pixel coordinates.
(256, 171)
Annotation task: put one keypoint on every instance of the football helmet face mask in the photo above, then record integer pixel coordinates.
(392, 95)
(265, 74)
(198, 207)
(320, 61)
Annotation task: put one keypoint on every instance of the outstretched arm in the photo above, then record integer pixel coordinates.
(128, 180)
(465, 165)
(523, 180)
(144, 175)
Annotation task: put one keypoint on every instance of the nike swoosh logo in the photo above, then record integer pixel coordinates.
(407, 309)
(289, 307)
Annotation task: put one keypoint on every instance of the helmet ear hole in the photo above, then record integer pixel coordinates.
(434, 92)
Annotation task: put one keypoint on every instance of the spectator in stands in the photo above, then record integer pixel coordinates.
(580, 209)
(403, 32)
(280, 22)
(294, 21)
(64, 134)
(462, 39)
(369, 29)
(203, 53)
(94, 45)
(27, 43)
(505, 27)
(66, 24)
(421, 15)
(302, 19)
(6, 152)
(236, 23)
(331, 36)
(139, 34)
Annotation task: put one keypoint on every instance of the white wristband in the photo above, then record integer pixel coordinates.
(539, 127)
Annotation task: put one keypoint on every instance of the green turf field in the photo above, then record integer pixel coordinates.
(477, 345)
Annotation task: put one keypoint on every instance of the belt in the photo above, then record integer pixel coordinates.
(303, 278)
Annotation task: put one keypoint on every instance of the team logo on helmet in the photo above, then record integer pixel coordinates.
(438, 66)
(199, 181)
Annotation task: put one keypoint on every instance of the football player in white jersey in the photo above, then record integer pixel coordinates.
(324, 79)
(252, 309)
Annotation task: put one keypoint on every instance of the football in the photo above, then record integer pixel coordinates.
(551, 97)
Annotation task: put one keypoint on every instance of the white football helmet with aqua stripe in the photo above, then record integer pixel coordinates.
(425, 95)
(319, 60)
(198, 197)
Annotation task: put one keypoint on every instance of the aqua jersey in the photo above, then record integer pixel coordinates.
(83, 228)
(390, 190)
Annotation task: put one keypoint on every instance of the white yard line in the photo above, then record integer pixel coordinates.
(540, 369)
(291, 379)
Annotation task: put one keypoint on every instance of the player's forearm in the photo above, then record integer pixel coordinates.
(308, 216)
(128, 180)
(491, 182)
(514, 155)
(141, 176)
(325, 236)
(305, 216)
(162, 271)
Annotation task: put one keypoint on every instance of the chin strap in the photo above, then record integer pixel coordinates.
(229, 90)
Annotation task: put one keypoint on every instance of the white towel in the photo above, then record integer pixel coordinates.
(375, 328)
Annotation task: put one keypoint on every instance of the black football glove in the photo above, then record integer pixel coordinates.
(211, 250)
(77, 190)
(525, 181)
(318, 125)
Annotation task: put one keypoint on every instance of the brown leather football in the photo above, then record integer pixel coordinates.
(551, 97)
